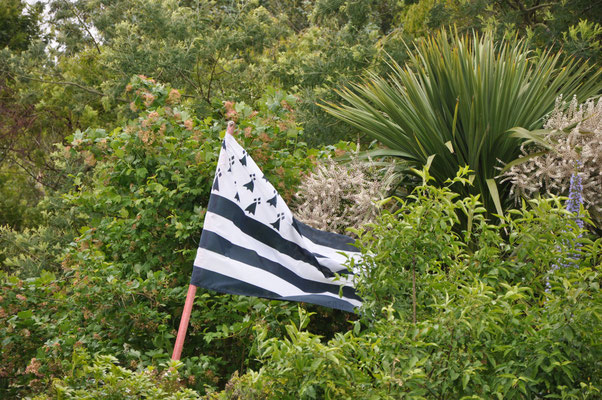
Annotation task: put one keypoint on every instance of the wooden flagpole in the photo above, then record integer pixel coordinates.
(177, 350)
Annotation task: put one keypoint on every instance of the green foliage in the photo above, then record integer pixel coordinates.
(206, 47)
(486, 326)
(27, 322)
(18, 24)
(422, 242)
(25, 252)
(551, 24)
(584, 40)
(138, 205)
(18, 196)
(223, 50)
(103, 378)
(457, 100)
(93, 279)
(300, 366)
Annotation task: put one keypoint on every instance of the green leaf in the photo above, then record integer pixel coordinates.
(495, 195)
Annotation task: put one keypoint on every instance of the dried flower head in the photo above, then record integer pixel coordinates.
(341, 195)
(174, 96)
(149, 98)
(231, 113)
(33, 367)
(575, 141)
(145, 136)
(89, 158)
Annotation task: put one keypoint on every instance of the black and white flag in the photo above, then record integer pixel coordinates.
(252, 245)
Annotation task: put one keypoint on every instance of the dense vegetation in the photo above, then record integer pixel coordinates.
(479, 279)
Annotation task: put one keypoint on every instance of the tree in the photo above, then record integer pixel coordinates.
(18, 24)
(543, 23)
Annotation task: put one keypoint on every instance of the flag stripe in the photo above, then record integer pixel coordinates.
(263, 233)
(322, 238)
(331, 258)
(254, 276)
(225, 228)
(218, 244)
(225, 284)
(336, 266)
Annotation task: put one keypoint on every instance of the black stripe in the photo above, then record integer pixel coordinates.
(343, 271)
(325, 301)
(225, 284)
(225, 208)
(217, 244)
(328, 239)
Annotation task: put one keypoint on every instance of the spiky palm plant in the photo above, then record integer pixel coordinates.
(456, 100)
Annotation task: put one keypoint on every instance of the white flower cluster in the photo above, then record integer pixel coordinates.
(575, 139)
(341, 195)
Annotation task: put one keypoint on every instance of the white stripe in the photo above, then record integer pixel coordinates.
(291, 234)
(225, 228)
(331, 264)
(220, 264)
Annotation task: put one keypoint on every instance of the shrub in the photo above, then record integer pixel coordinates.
(485, 324)
(571, 143)
(339, 195)
(102, 378)
(139, 204)
(456, 101)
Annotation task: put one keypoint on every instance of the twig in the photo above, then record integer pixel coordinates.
(78, 85)
(84, 25)
(414, 290)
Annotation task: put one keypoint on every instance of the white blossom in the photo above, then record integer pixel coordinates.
(575, 137)
(341, 195)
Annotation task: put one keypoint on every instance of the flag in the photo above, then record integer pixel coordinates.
(252, 245)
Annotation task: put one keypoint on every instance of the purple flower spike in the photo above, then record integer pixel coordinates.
(575, 197)
(574, 206)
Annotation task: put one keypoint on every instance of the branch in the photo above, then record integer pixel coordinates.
(511, 4)
(594, 4)
(84, 25)
(75, 84)
(191, 82)
(414, 290)
(35, 177)
(212, 75)
(537, 7)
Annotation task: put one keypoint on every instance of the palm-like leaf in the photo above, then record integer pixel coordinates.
(457, 99)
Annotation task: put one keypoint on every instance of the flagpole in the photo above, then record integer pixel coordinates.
(177, 350)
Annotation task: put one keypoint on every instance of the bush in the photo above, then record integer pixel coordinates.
(138, 205)
(457, 99)
(102, 378)
(336, 195)
(570, 144)
(492, 320)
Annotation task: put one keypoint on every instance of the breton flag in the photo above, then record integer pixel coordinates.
(252, 245)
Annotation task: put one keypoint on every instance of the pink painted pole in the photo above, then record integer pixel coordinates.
(177, 350)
